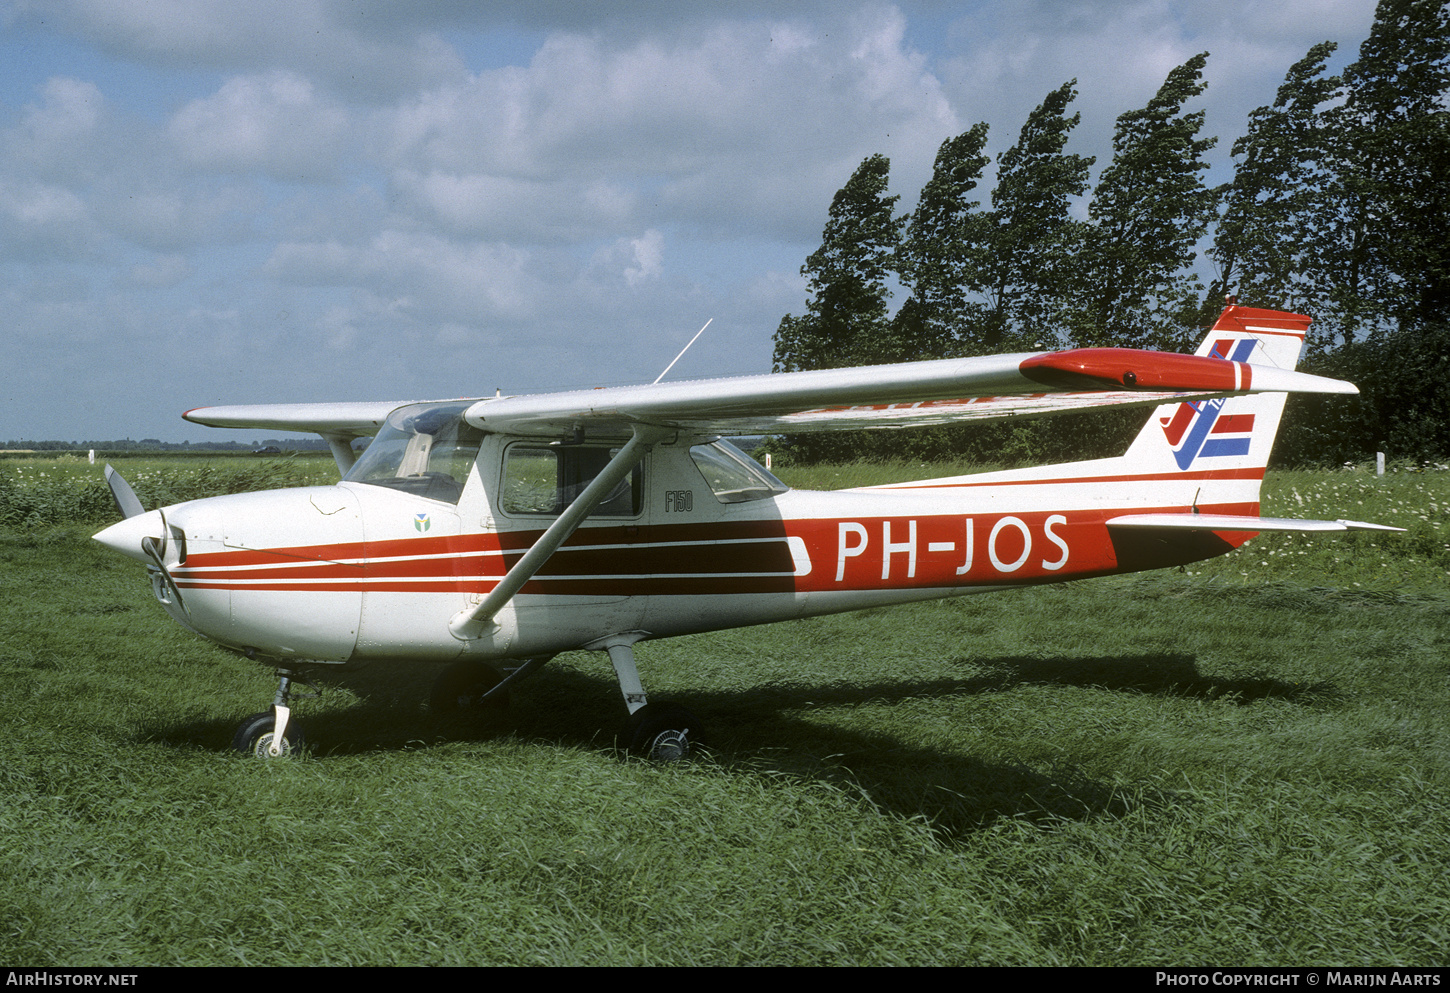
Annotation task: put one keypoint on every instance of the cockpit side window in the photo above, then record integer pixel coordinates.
(540, 479)
(426, 449)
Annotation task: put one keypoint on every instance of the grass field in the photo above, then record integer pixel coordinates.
(1246, 762)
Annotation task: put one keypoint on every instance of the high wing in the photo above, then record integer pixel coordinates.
(891, 396)
(908, 394)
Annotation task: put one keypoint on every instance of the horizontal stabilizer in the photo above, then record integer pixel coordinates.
(1233, 522)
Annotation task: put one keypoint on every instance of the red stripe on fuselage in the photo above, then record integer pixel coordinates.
(865, 553)
(1251, 472)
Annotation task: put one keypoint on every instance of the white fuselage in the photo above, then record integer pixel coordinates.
(362, 571)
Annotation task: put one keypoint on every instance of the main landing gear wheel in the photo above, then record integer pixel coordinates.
(255, 736)
(462, 688)
(661, 732)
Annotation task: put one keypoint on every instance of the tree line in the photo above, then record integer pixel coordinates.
(1339, 208)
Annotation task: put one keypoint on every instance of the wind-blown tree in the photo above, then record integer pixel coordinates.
(1383, 256)
(1266, 235)
(846, 322)
(937, 257)
(1031, 237)
(1379, 258)
(1134, 280)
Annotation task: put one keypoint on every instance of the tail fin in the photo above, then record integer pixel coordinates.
(1233, 435)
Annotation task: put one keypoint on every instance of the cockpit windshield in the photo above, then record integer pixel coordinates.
(426, 449)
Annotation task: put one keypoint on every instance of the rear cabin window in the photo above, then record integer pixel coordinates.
(544, 480)
(733, 476)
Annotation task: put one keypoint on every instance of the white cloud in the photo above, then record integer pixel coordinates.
(61, 138)
(649, 257)
(633, 262)
(533, 210)
(435, 278)
(165, 213)
(161, 272)
(314, 37)
(69, 114)
(277, 123)
(43, 222)
(38, 206)
(734, 126)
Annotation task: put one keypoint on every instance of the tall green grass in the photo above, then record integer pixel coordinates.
(1245, 767)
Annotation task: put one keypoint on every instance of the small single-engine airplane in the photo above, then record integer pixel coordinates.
(495, 533)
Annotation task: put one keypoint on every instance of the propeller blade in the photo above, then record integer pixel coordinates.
(126, 500)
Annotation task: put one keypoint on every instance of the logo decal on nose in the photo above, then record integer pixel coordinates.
(421, 522)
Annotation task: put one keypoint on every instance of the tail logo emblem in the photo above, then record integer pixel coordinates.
(1196, 428)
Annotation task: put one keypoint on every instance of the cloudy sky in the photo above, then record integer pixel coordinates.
(206, 201)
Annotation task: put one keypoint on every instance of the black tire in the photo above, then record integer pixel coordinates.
(460, 689)
(254, 737)
(663, 732)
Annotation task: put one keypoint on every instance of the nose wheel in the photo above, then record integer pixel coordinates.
(258, 735)
(273, 734)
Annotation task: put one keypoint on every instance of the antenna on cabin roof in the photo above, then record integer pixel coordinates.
(682, 352)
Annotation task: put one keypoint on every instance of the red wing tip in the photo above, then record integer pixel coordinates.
(1133, 369)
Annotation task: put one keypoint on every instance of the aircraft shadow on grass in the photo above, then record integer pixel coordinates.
(956, 792)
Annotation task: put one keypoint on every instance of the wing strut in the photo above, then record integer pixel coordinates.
(342, 452)
(473, 622)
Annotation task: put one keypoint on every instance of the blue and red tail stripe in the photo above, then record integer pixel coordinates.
(1196, 430)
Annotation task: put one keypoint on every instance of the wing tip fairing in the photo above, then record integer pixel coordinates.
(1128, 368)
(1131, 369)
